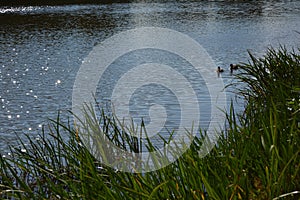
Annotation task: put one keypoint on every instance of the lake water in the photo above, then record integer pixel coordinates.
(42, 49)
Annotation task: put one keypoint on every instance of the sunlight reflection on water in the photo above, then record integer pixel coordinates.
(43, 47)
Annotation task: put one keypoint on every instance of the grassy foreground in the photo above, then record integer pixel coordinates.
(258, 158)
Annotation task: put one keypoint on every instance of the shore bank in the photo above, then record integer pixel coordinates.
(8, 3)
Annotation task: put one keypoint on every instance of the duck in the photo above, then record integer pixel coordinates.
(233, 67)
(220, 70)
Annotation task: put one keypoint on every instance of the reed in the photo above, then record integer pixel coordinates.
(257, 158)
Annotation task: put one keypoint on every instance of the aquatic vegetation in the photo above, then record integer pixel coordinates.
(257, 158)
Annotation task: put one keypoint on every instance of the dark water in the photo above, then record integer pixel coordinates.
(42, 48)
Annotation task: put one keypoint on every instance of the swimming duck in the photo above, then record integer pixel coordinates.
(220, 70)
(233, 67)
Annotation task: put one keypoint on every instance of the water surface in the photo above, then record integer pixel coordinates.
(43, 47)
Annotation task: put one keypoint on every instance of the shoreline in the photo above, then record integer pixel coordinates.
(9, 3)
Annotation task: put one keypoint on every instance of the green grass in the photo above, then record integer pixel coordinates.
(257, 158)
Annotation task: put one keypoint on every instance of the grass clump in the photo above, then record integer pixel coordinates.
(257, 158)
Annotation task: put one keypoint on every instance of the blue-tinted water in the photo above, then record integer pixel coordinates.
(42, 49)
